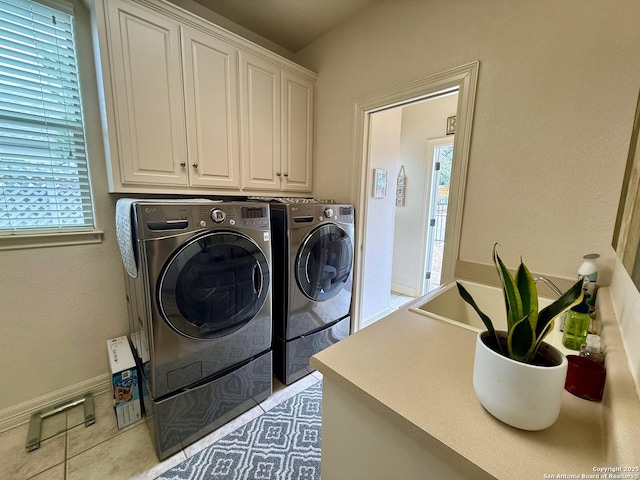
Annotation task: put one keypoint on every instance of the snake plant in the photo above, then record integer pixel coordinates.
(526, 326)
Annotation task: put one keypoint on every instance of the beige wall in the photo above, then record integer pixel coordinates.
(61, 304)
(557, 89)
(555, 102)
(556, 95)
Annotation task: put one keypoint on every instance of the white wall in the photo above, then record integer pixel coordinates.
(420, 122)
(378, 248)
(626, 304)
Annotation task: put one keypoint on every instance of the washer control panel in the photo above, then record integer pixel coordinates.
(159, 219)
(218, 215)
(236, 214)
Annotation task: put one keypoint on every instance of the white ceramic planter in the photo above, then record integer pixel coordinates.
(521, 395)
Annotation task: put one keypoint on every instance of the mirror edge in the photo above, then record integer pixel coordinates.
(626, 235)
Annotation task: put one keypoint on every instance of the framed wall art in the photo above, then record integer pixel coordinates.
(401, 183)
(379, 183)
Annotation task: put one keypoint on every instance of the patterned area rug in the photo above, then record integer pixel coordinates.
(281, 444)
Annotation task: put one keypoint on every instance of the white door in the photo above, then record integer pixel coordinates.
(441, 156)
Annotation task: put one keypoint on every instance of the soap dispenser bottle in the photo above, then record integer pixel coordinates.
(576, 326)
(592, 348)
(588, 272)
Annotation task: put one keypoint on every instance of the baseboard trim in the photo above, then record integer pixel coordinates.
(376, 317)
(19, 414)
(403, 290)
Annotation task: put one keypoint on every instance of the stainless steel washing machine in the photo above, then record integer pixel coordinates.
(200, 314)
(312, 249)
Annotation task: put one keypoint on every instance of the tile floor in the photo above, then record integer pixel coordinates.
(101, 451)
(398, 300)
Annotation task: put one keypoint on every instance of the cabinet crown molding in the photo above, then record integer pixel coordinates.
(210, 28)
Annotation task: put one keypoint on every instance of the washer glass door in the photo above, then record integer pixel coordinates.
(324, 261)
(213, 285)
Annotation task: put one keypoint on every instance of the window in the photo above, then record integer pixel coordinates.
(44, 177)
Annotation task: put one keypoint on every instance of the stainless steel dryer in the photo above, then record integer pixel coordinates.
(312, 248)
(201, 314)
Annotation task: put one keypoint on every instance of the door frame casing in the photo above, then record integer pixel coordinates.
(464, 80)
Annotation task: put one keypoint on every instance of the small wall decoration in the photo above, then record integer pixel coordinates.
(451, 125)
(401, 187)
(379, 183)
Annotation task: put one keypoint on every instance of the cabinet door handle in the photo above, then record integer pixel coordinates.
(278, 174)
(183, 164)
(286, 174)
(195, 165)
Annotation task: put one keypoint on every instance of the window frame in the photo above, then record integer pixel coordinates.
(66, 236)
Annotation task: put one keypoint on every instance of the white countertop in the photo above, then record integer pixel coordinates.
(417, 371)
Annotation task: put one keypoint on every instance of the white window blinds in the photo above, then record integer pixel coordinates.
(44, 178)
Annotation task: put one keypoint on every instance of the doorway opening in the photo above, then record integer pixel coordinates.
(440, 155)
(377, 219)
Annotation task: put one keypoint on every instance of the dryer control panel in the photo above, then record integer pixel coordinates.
(345, 213)
(308, 215)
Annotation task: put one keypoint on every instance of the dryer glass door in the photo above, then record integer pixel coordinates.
(324, 261)
(213, 285)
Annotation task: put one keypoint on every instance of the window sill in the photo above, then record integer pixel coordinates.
(22, 241)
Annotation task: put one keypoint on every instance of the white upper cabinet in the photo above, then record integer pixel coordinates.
(147, 143)
(277, 127)
(192, 108)
(260, 103)
(297, 132)
(211, 92)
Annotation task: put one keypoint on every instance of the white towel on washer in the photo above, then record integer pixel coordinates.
(124, 215)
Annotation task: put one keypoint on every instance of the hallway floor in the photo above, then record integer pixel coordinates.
(398, 300)
(102, 451)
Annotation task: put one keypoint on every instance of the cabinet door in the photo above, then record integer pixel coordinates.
(149, 109)
(260, 104)
(297, 133)
(211, 103)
